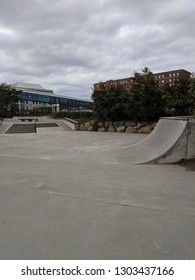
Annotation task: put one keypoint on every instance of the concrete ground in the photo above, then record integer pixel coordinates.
(69, 195)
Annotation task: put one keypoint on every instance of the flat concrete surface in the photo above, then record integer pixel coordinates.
(69, 195)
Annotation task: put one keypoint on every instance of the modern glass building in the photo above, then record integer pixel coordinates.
(35, 98)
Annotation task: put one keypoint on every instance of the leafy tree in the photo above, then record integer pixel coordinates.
(191, 96)
(179, 97)
(146, 98)
(110, 102)
(8, 100)
(145, 101)
(168, 96)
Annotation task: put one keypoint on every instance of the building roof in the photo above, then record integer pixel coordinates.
(27, 86)
(30, 87)
(172, 71)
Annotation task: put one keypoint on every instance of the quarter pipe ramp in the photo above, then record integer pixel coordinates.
(172, 140)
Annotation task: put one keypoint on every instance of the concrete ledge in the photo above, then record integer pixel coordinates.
(181, 118)
(74, 125)
(28, 119)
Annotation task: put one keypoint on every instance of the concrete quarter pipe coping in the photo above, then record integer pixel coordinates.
(172, 140)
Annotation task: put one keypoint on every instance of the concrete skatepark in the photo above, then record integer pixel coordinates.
(78, 195)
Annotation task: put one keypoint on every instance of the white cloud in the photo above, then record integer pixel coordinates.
(6, 31)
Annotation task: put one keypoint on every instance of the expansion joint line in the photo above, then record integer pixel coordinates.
(120, 204)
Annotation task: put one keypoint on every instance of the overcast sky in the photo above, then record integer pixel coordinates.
(68, 45)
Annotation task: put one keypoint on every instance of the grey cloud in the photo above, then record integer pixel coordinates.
(69, 45)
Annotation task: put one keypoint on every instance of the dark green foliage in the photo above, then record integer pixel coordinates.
(8, 101)
(110, 103)
(146, 98)
(143, 102)
(73, 115)
(180, 98)
(191, 96)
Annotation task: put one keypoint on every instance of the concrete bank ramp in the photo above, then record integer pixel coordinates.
(168, 143)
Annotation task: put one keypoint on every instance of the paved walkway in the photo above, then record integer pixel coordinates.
(69, 195)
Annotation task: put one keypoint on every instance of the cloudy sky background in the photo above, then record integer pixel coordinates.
(68, 45)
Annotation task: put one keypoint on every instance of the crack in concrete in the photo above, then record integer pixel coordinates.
(121, 204)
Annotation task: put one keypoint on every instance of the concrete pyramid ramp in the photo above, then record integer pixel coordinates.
(168, 143)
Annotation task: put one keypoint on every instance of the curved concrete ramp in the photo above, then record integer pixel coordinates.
(168, 143)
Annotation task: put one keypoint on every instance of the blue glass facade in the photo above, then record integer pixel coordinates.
(52, 99)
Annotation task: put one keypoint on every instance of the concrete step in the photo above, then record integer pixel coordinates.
(21, 128)
(51, 124)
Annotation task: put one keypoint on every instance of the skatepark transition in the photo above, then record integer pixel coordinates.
(172, 140)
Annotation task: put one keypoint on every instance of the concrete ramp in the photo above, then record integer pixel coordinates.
(168, 143)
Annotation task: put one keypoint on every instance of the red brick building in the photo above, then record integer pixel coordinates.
(170, 77)
(162, 78)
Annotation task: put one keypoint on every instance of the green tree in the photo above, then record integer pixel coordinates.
(8, 100)
(168, 96)
(179, 97)
(191, 96)
(110, 102)
(146, 98)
